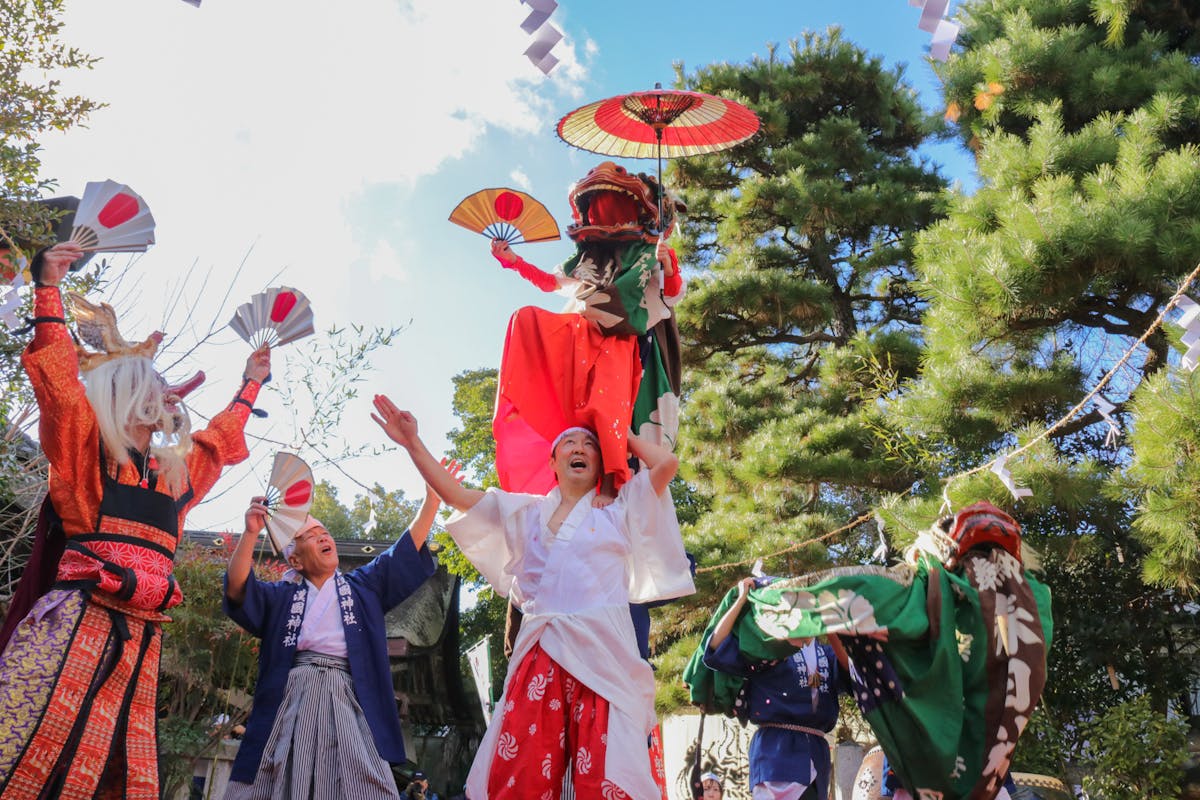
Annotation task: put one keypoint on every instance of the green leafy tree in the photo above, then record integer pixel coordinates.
(34, 63)
(473, 446)
(800, 317)
(1083, 119)
(208, 667)
(332, 512)
(32, 60)
(1134, 753)
(379, 514)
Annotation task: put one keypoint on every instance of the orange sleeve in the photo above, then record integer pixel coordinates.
(67, 428)
(221, 444)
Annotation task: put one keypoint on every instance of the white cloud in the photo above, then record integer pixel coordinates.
(520, 179)
(240, 121)
(288, 129)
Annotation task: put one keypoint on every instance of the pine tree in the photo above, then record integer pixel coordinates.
(1085, 129)
(800, 315)
(1083, 118)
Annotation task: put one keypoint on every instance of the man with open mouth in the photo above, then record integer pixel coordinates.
(79, 673)
(324, 724)
(578, 697)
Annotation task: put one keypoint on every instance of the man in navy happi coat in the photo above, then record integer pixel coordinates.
(324, 721)
(793, 701)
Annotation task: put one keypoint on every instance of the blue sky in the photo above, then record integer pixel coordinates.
(325, 144)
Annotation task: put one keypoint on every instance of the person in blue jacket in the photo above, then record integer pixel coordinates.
(793, 701)
(324, 723)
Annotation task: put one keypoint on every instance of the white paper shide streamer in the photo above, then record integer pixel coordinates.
(1106, 408)
(1190, 322)
(1002, 472)
(545, 35)
(10, 304)
(933, 20)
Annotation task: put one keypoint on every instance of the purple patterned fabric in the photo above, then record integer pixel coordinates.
(29, 668)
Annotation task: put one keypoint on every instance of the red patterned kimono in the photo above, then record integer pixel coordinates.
(79, 677)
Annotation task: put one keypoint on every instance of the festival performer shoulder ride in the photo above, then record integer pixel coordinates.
(578, 697)
(611, 361)
(79, 675)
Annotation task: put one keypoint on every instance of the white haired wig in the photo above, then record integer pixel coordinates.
(126, 393)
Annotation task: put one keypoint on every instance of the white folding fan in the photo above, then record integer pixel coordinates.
(289, 496)
(274, 317)
(112, 218)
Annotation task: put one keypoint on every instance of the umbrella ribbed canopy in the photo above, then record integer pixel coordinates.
(662, 123)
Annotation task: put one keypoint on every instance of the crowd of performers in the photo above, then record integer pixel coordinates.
(945, 654)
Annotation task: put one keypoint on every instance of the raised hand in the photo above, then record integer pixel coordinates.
(256, 515)
(662, 253)
(258, 365)
(503, 252)
(57, 261)
(400, 426)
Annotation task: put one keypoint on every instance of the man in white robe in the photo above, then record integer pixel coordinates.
(577, 696)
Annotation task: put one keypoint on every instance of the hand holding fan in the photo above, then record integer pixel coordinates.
(289, 496)
(112, 218)
(506, 214)
(274, 317)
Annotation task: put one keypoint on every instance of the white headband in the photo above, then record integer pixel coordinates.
(568, 432)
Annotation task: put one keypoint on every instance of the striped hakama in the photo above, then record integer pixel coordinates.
(320, 746)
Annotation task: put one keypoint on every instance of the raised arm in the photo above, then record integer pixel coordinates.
(727, 621)
(401, 428)
(423, 522)
(839, 650)
(242, 560)
(543, 280)
(662, 462)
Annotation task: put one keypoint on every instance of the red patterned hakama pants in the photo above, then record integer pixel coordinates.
(551, 722)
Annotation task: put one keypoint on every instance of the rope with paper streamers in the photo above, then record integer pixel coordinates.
(1190, 321)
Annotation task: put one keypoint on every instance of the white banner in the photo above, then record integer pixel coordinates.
(480, 659)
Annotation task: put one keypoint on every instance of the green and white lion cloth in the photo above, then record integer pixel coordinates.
(947, 654)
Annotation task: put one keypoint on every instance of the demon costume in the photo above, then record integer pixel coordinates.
(611, 361)
(947, 654)
(578, 695)
(324, 653)
(79, 675)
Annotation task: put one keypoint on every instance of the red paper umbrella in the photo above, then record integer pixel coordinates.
(289, 496)
(661, 123)
(505, 214)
